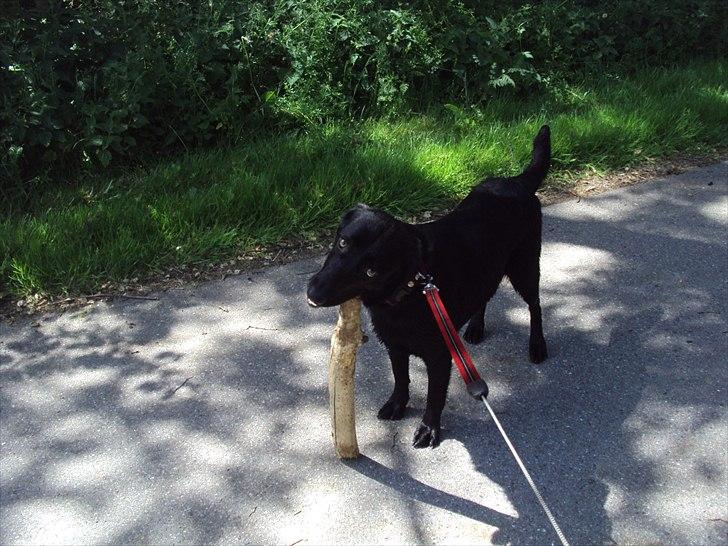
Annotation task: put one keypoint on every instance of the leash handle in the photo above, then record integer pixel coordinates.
(477, 388)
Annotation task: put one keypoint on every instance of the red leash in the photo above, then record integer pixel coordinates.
(475, 385)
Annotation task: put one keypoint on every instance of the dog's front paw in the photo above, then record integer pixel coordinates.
(537, 351)
(393, 409)
(426, 436)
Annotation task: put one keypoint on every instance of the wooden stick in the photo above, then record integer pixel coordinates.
(345, 343)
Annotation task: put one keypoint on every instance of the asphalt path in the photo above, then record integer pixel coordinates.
(202, 417)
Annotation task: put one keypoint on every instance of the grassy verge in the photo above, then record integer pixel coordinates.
(208, 206)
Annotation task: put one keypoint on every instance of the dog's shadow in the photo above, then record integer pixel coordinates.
(410, 487)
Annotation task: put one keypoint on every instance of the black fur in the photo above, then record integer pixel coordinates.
(494, 231)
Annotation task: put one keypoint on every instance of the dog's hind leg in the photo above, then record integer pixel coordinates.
(475, 332)
(394, 408)
(523, 270)
(537, 350)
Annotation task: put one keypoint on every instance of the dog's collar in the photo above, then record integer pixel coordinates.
(420, 279)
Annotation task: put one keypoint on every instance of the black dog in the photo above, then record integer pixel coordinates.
(495, 231)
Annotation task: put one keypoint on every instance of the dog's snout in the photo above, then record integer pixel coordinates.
(312, 296)
(326, 290)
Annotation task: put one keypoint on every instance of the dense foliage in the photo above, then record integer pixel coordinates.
(100, 81)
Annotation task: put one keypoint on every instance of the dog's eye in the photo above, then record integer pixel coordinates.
(342, 243)
(371, 273)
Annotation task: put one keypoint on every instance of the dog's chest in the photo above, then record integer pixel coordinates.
(412, 330)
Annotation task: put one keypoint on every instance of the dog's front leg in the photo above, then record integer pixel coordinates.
(438, 378)
(475, 332)
(394, 408)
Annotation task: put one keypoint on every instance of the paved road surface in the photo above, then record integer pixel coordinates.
(625, 427)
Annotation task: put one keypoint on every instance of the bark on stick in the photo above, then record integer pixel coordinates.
(345, 343)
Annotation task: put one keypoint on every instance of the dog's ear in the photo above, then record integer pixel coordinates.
(353, 210)
(349, 214)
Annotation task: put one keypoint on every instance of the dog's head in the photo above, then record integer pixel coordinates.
(373, 253)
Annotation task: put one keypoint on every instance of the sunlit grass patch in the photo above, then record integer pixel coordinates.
(213, 205)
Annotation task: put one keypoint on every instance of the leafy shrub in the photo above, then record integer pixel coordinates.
(105, 81)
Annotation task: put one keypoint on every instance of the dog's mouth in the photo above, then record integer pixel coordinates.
(320, 293)
(323, 303)
(317, 300)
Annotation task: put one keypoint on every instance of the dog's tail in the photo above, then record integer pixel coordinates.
(540, 160)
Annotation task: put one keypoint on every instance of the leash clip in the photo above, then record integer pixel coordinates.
(420, 278)
(426, 280)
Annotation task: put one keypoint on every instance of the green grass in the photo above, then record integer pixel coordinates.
(212, 205)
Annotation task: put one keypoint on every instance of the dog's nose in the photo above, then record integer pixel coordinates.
(312, 297)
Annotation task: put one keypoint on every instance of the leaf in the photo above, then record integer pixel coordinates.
(456, 110)
(104, 157)
(503, 81)
(45, 139)
(139, 120)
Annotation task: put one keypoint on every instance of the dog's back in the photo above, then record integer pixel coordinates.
(497, 215)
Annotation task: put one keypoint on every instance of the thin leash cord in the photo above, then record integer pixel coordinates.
(530, 481)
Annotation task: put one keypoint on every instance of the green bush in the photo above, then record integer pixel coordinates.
(103, 81)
